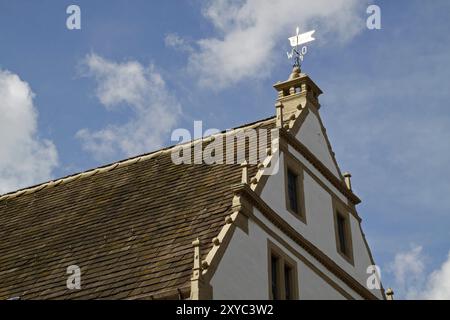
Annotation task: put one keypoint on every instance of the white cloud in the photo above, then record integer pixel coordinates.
(142, 89)
(408, 268)
(250, 30)
(438, 286)
(25, 159)
(411, 280)
(173, 40)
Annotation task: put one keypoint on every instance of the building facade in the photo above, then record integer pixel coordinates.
(147, 228)
(302, 236)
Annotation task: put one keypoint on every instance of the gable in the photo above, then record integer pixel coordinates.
(312, 134)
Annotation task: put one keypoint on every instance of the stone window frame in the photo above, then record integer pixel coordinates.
(340, 210)
(293, 164)
(283, 260)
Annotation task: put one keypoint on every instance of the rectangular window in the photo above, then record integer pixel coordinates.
(294, 187)
(287, 282)
(292, 191)
(342, 234)
(342, 230)
(275, 286)
(283, 283)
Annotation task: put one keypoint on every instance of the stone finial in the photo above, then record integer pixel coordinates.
(197, 267)
(200, 289)
(390, 294)
(279, 113)
(205, 264)
(295, 73)
(216, 241)
(347, 180)
(196, 242)
(228, 220)
(244, 166)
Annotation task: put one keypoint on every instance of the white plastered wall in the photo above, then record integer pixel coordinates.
(319, 228)
(243, 270)
(311, 135)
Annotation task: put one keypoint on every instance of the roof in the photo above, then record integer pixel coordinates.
(129, 226)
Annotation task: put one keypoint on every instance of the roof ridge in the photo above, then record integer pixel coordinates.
(118, 164)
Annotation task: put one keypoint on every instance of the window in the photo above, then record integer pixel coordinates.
(341, 226)
(295, 202)
(292, 191)
(275, 284)
(343, 231)
(287, 282)
(282, 275)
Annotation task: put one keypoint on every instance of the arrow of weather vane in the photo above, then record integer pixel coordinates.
(298, 40)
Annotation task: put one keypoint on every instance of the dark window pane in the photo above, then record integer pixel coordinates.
(274, 266)
(287, 282)
(341, 233)
(292, 191)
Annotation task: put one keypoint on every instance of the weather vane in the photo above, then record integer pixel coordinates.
(297, 41)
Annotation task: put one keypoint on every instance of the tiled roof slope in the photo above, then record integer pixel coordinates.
(129, 228)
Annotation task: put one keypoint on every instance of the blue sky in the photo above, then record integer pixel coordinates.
(385, 101)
